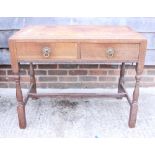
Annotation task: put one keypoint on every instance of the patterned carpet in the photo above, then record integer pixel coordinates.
(78, 118)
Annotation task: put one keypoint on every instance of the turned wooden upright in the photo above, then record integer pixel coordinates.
(77, 44)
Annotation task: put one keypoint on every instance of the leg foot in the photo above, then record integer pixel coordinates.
(133, 115)
(21, 116)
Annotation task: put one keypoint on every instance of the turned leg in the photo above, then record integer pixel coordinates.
(121, 79)
(32, 80)
(21, 105)
(134, 105)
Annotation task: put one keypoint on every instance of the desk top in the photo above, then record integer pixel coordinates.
(78, 33)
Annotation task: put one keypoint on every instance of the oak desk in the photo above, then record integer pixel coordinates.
(77, 44)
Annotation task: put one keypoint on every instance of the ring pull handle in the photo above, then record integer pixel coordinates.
(110, 52)
(46, 51)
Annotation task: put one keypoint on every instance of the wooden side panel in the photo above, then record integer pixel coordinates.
(142, 54)
(14, 62)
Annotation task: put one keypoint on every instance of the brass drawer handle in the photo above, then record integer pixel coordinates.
(110, 52)
(46, 51)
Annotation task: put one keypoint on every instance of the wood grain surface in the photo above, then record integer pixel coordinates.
(75, 33)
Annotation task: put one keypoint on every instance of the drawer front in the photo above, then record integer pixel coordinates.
(43, 51)
(99, 51)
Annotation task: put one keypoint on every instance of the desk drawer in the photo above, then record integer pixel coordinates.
(99, 51)
(39, 51)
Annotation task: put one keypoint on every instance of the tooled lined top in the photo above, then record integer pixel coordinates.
(89, 32)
